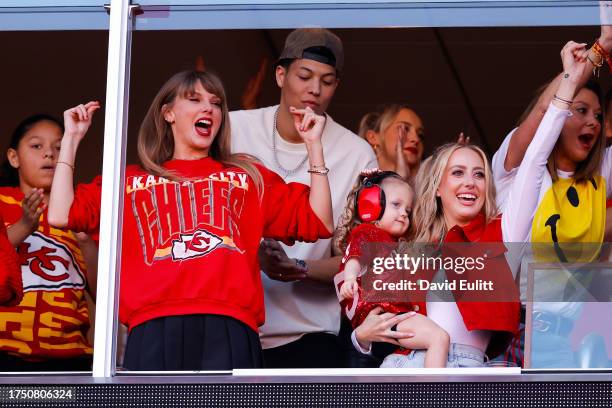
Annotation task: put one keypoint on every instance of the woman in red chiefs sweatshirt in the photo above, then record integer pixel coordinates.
(193, 218)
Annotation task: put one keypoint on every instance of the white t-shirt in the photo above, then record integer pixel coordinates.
(503, 183)
(296, 308)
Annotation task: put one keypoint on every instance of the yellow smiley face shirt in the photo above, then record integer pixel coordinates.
(570, 213)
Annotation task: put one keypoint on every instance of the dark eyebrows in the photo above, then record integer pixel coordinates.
(311, 72)
(30, 138)
(308, 71)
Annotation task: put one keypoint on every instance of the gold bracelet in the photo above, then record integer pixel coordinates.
(322, 170)
(67, 164)
(596, 52)
(596, 65)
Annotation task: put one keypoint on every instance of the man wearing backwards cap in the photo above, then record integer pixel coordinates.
(302, 310)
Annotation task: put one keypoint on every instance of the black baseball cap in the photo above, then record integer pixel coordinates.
(318, 44)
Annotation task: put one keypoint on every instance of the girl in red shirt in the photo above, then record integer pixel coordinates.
(378, 216)
(46, 330)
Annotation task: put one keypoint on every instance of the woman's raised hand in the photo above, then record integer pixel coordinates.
(308, 124)
(78, 119)
(574, 59)
(401, 167)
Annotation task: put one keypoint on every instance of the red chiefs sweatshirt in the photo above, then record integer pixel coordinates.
(190, 247)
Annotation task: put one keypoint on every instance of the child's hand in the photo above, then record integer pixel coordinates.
(308, 124)
(32, 206)
(78, 119)
(349, 289)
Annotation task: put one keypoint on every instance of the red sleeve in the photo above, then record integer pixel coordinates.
(84, 214)
(288, 216)
(11, 285)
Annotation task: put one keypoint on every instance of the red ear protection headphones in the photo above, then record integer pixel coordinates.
(370, 198)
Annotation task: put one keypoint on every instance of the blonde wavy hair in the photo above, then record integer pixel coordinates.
(428, 214)
(156, 140)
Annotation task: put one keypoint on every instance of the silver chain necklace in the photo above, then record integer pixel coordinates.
(286, 172)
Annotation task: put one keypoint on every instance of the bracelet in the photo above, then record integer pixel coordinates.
(565, 101)
(596, 51)
(67, 164)
(322, 170)
(602, 52)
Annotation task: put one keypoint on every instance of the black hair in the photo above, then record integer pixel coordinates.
(9, 176)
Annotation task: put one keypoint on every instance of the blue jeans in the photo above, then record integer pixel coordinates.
(459, 355)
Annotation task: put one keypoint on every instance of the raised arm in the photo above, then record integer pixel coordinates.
(310, 127)
(76, 123)
(525, 133)
(525, 191)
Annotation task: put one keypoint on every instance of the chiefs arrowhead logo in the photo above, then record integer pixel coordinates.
(48, 264)
(193, 245)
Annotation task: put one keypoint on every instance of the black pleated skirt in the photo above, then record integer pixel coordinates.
(192, 342)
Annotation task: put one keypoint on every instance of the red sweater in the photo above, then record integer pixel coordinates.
(11, 287)
(52, 319)
(191, 247)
